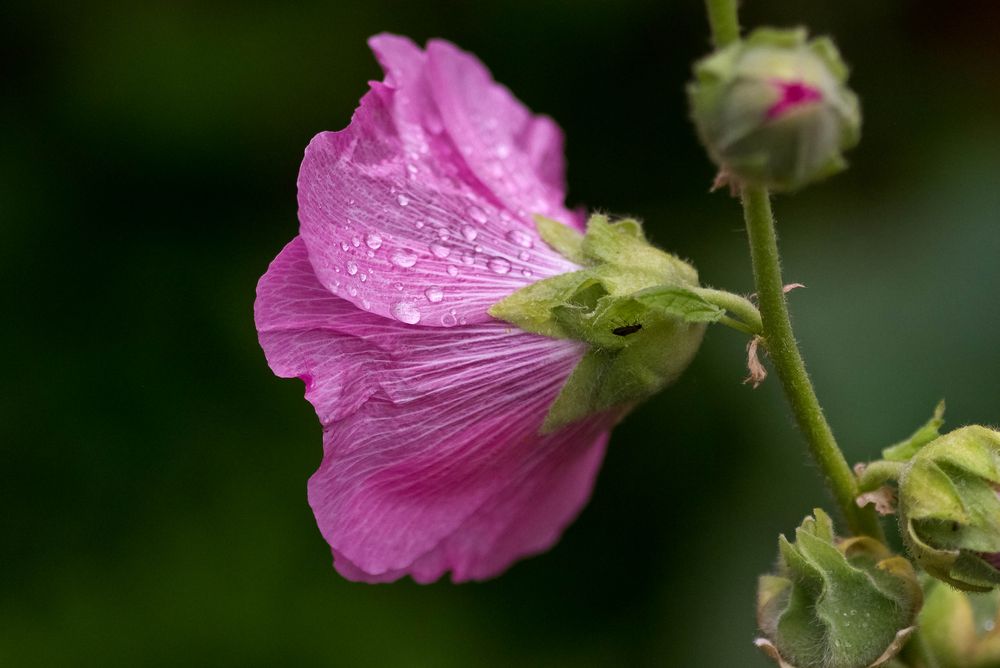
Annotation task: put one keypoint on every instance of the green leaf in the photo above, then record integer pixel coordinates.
(565, 240)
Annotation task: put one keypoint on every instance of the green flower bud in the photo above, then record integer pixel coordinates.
(836, 604)
(949, 508)
(961, 630)
(773, 110)
(635, 306)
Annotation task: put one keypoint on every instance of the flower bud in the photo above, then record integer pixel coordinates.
(773, 110)
(835, 604)
(961, 630)
(949, 508)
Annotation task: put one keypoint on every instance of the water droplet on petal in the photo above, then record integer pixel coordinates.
(521, 238)
(449, 320)
(527, 273)
(440, 250)
(498, 265)
(353, 290)
(364, 277)
(467, 258)
(419, 224)
(477, 214)
(470, 233)
(524, 255)
(366, 305)
(352, 268)
(403, 200)
(374, 241)
(403, 258)
(434, 294)
(407, 313)
(452, 270)
(344, 245)
(356, 242)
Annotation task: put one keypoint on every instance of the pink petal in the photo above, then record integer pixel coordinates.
(433, 460)
(398, 222)
(517, 154)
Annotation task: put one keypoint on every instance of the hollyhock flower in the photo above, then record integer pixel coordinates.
(415, 221)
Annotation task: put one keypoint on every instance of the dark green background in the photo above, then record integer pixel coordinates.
(153, 471)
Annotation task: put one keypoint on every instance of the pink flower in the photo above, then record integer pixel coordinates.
(413, 222)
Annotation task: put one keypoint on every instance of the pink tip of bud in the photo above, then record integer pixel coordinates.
(793, 94)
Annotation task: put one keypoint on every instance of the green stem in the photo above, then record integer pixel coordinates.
(787, 360)
(741, 307)
(723, 18)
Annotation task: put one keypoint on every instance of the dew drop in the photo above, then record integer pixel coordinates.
(345, 246)
(452, 270)
(520, 238)
(449, 320)
(434, 294)
(404, 259)
(467, 258)
(477, 214)
(352, 268)
(470, 233)
(524, 255)
(364, 277)
(440, 250)
(527, 273)
(498, 265)
(403, 201)
(398, 286)
(353, 290)
(419, 224)
(366, 305)
(407, 313)
(356, 242)
(374, 241)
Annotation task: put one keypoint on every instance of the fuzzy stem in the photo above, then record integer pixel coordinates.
(723, 18)
(787, 360)
(739, 306)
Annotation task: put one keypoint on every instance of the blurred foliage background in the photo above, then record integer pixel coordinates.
(153, 471)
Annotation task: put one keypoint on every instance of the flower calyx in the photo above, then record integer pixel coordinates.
(835, 603)
(639, 310)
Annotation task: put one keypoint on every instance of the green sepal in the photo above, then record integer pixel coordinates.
(836, 604)
(640, 364)
(531, 307)
(563, 239)
(622, 249)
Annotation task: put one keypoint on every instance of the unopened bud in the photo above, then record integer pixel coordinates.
(773, 109)
(949, 508)
(836, 604)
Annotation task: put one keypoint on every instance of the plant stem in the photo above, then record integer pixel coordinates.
(723, 18)
(741, 307)
(787, 360)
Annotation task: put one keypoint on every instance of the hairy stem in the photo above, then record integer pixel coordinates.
(739, 306)
(723, 18)
(787, 360)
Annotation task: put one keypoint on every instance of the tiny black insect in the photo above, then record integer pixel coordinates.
(625, 330)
